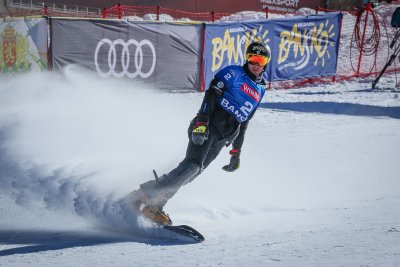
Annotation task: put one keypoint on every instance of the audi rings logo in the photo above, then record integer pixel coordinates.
(128, 54)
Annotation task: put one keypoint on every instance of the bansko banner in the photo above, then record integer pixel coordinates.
(305, 47)
(162, 54)
(302, 47)
(23, 45)
(226, 43)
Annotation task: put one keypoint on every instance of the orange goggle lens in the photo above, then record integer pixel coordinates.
(260, 60)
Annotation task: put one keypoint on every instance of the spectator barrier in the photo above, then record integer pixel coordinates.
(166, 55)
(302, 47)
(306, 49)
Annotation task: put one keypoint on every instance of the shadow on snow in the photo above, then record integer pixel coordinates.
(33, 241)
(336, 108)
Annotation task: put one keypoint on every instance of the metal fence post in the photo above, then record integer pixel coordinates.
(367, 10)
(119, 9)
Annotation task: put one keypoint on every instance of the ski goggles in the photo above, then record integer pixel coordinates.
(260, 60)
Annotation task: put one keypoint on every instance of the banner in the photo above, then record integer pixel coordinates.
(23, 45)
(302, 47)
(290, 5)
(162, 54)
(305, 47)
(226, 43)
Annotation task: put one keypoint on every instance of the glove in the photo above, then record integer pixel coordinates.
(234, 163)
(200, 133)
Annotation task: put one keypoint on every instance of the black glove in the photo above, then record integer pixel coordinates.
(200, 133)
(234, 163)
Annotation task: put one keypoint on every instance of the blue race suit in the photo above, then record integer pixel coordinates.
(242, 95)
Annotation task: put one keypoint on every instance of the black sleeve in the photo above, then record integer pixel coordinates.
(209, 101)
(237, 144)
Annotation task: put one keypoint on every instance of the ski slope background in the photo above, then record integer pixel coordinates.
(319, 182)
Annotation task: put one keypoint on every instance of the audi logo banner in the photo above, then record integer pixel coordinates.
(164, 55)
(107, 63)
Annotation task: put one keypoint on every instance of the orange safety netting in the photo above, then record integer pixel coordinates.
(159, 13)
(364, 49)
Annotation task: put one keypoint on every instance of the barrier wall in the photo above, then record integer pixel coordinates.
(302, 47)
(186, 56)
(162, 54)
(23, 45)
(170, 55)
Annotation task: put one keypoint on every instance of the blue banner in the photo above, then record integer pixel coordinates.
(302, 47)
(305, 47)
(226, 43)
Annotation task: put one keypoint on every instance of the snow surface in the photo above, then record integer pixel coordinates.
(319, 182)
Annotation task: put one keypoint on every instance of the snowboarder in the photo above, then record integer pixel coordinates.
(228, 105)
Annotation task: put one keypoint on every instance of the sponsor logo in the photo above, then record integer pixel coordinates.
(288, 3)
(250, 92)
(231, 108)
(131, 58)
(258, 49)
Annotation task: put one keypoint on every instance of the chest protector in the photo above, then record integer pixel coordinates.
(242, 95)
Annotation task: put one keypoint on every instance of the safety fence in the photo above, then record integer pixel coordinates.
(306, 49)
(365, 37)
(21, 8)
(159, 13)
(165, 14)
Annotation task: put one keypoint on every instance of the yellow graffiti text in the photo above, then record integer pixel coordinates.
(296, 41)
(231, 48)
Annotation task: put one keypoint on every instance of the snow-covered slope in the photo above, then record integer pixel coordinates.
(318, 184)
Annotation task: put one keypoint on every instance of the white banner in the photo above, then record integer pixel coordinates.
(23, 45)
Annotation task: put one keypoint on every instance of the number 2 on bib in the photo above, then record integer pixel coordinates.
(247, 108)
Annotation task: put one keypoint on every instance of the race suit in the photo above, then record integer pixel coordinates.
(228, 105)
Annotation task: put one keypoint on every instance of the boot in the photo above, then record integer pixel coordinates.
(152, 196)
(156, 215)
(150, 206)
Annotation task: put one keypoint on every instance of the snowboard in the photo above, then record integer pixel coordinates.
(177, 232)
(185, 231)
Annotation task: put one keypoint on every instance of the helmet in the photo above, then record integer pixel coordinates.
(261, 51)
